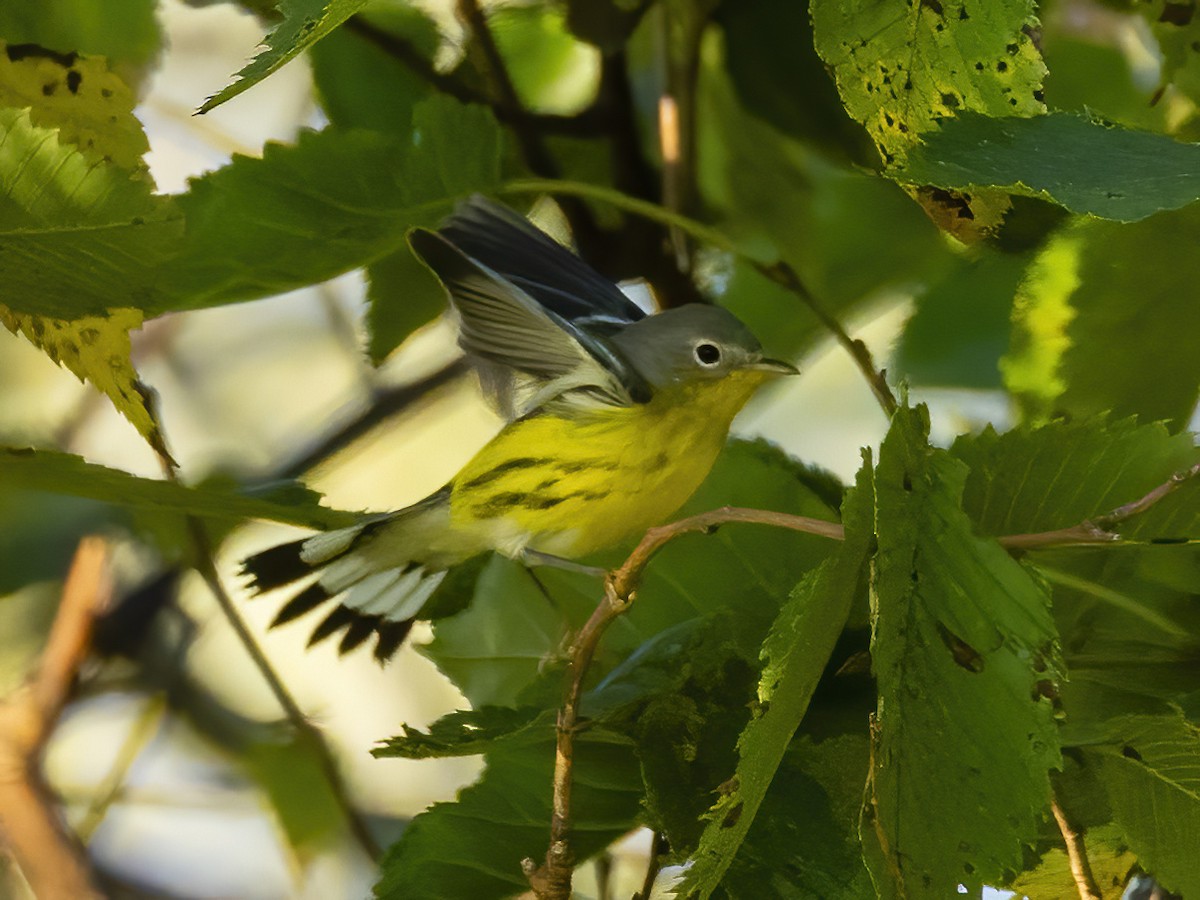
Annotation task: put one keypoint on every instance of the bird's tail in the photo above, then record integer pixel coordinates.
(371, 572)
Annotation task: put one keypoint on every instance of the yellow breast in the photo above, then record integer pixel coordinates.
(572, 486)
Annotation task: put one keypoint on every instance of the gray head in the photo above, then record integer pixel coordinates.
(690, 343)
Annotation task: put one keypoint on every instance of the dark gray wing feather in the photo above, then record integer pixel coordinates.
(551, 274)
(503, 325)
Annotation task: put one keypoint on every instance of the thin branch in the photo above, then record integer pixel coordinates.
(385, 404)
(658, 848)
(51, 860)
(291, 709)
(533, 148)
(144, 728)
(779, 271)
(588, 122)
(1100, 529)
(784, 275)
(1081, 869)
(552, 879)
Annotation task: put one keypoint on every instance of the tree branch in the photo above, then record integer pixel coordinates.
(291, 709)
(552, 879)
(50, 859)
(533, 148)
(384, 404)
(1100, 529)
(589, 122)
(1081, 869)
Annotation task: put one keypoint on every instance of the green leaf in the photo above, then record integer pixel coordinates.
(1095, 333)
(403, 295)
(1092, 74)
(89, 104)
(1081, 164)
(1056, 475)
(62, 473)
(902, 67)
(79, 236)
(804, 841)
(462, 733)
(333, 201)
(795, 654)
(499, 643)
(551, 70)
(1108, 855)
(304, 23)
(1153, 781)
(962, 635)
(293, 775)
(474, 846)
(348, 70)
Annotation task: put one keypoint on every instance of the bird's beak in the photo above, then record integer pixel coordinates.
(774, 366)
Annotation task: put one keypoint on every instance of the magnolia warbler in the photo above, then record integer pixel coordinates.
(614, 419)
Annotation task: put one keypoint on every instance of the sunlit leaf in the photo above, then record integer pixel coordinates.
(304, 23)
(1153, 781)
(1095, 332)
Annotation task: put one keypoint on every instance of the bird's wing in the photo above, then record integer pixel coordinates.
(503, 326)
(527, 257)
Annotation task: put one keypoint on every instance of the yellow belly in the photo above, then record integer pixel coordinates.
(572, 487)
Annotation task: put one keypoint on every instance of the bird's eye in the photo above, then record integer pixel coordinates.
(707, 354)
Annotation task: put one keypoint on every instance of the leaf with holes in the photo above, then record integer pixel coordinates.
(1152, 775)
(962, 638)
(795, 654)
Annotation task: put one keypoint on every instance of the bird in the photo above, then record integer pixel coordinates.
(614, 418)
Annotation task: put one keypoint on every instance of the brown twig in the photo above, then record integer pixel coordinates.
(785, 276)
(533, 147)
(291, 709)
(1081, 869)
(50, 859)
(1100, 529)
(552, 879)
(384, 404)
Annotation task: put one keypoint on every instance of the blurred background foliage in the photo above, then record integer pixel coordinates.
(998, 199)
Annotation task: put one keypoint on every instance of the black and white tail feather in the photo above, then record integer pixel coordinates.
(369, 595)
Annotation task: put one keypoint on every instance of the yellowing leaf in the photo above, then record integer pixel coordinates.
(902, 66)
(96, 349)
(90, 106)
(72, 174)
(1042, 313)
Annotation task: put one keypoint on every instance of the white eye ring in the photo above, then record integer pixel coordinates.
(707, 354)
